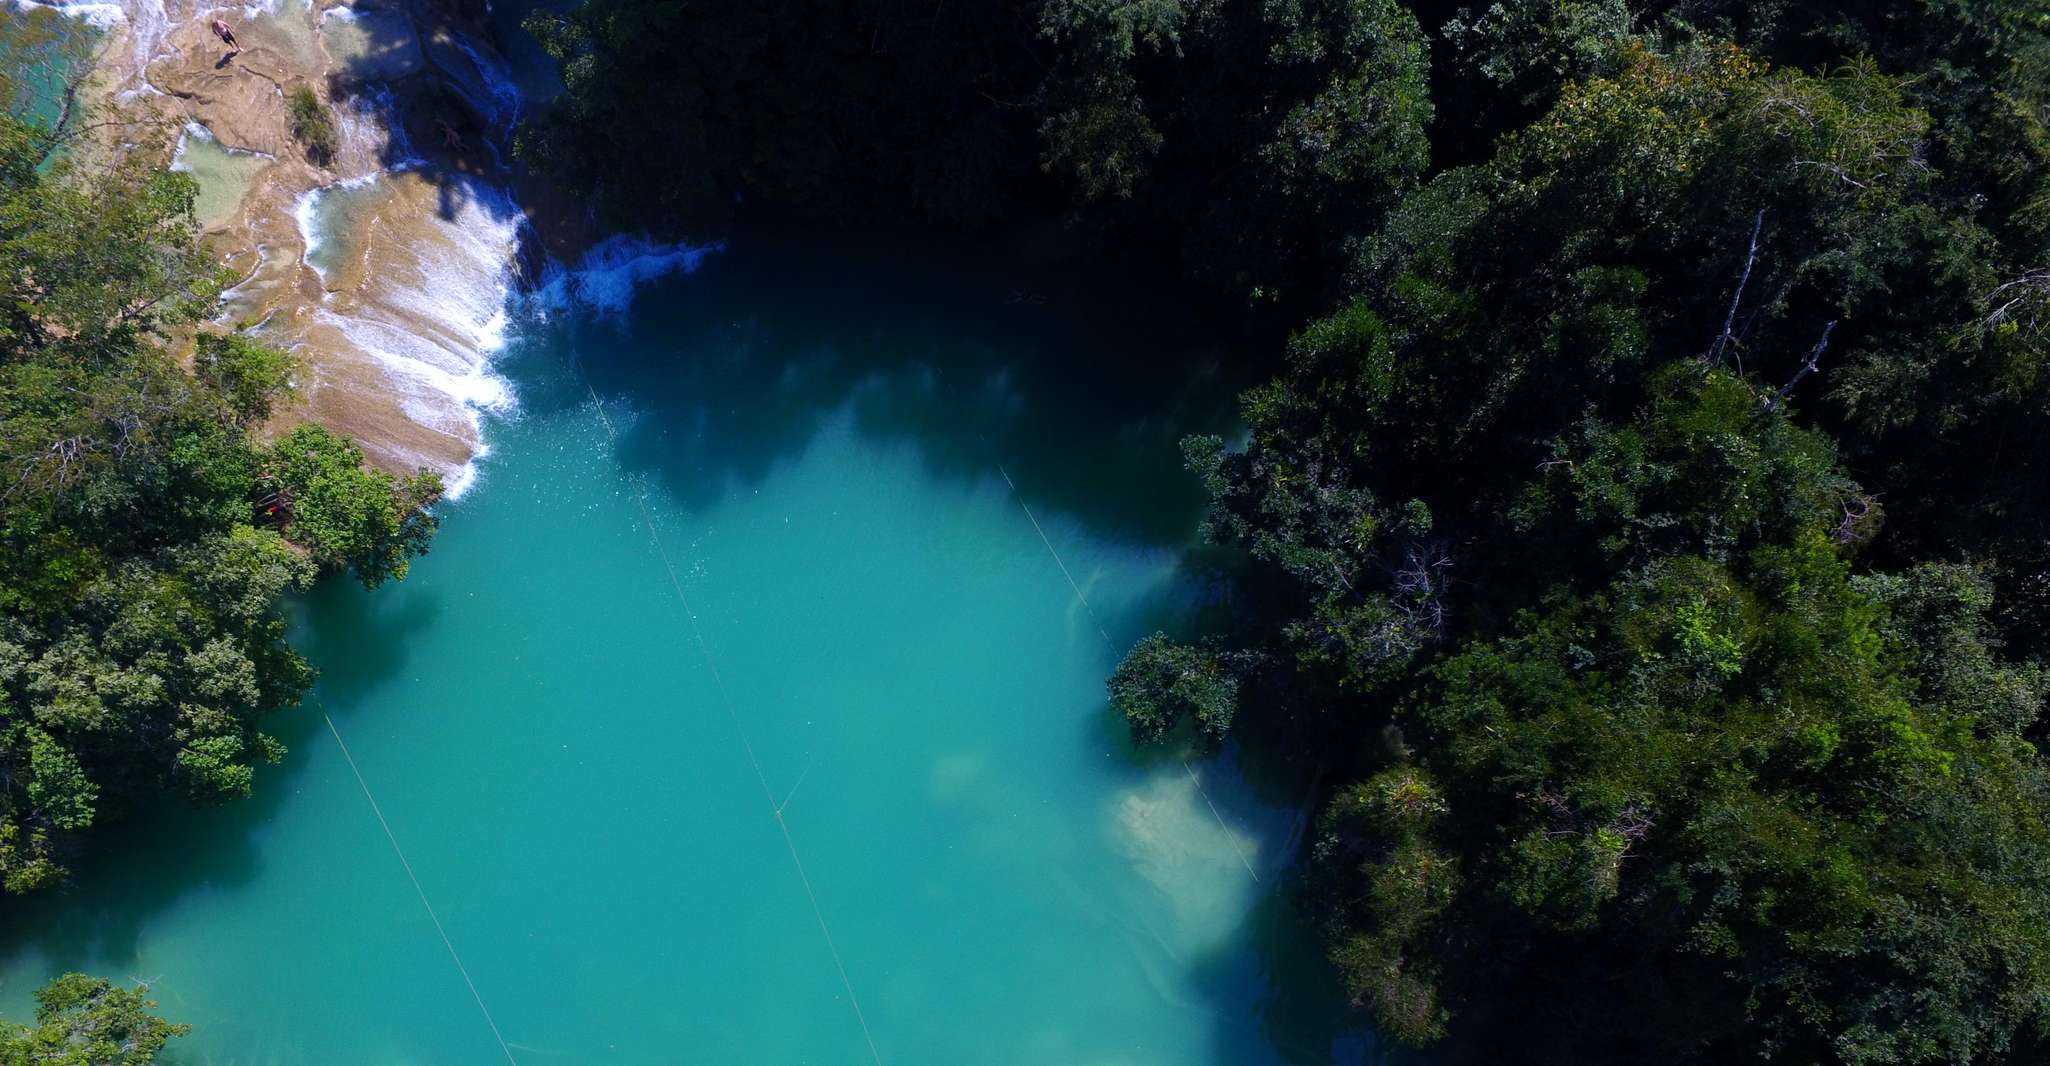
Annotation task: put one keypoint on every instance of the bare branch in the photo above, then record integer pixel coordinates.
(63, 455)
(1807, 368)
(1855, 511)
(67, 105)
(1420, 582)
(1840, 172)
(1727, 338)
(2020, 301)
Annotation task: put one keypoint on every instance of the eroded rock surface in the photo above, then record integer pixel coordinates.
(384, 267)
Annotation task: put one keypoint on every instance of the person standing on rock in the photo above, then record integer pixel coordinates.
(227, 35)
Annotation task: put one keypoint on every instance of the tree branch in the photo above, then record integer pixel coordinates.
(1807, 368)
(1727, 338)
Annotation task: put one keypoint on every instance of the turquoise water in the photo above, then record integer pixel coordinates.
(39, 74)
(891, 654)
(223, 174)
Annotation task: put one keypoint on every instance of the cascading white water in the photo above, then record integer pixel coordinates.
(101, 15)
(410, 279)
(389, 275)
(422, 294)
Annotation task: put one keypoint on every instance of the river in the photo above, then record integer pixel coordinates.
(750, 709)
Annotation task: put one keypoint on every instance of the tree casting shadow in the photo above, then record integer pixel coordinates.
(987, 370)
(143, 864)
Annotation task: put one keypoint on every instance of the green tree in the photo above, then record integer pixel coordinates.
(1265, 135)
(1161, 684)
(247, 376)
(345, 514)
(85, 1021)
(1799, 825)
(142, 642)
(1572, 533)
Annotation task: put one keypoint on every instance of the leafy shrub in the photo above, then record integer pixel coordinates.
(82, 1019)
(312, 124)
(1161, 683)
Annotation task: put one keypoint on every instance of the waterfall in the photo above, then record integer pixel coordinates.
(389, 271)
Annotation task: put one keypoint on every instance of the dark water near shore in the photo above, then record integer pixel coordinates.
(581, 734)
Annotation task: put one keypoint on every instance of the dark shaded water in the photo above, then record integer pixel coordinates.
(582, 734)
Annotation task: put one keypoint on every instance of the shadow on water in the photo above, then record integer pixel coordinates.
(728, 372)
(1301, 1014)
(733, 369)
(1290, 1002)
(444, 97)
(141, 866)
(1298, 1010)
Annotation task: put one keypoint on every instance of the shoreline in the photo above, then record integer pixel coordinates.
(389, 268)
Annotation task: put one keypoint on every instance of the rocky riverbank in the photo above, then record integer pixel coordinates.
(386, 265)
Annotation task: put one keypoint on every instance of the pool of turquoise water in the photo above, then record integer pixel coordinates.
(852, 538)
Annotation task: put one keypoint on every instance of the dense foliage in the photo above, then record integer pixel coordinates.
(1256, 138)
(1649, 504)
(146, 533)
(83, 1021)
(677, 114)
(1646, 505)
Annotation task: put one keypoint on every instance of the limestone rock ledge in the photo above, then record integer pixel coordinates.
(385, 267)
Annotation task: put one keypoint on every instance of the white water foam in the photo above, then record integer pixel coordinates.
(149, 24)
(371, 132)
(505, 96)
(504, 103)
(430, 306)
(429, 300)
(194, 131)
(97, 15)
(604, 280)
(303, 208)
(306, 212)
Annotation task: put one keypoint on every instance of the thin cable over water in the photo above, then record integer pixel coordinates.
(1036, 528)
(421, 892)
(726, 703)
(1229, 836)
